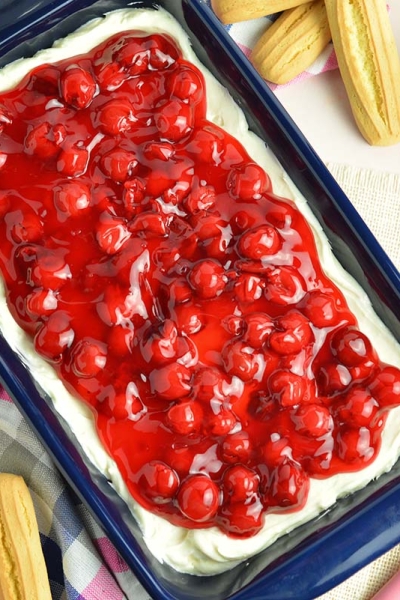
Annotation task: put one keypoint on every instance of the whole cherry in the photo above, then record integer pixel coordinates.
(198, 498)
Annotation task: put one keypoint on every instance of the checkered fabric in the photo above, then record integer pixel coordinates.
(81, 562)
(247, 33)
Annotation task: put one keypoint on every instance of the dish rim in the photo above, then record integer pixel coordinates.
(34, 407)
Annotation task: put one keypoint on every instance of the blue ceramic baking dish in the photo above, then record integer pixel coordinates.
(318, 556)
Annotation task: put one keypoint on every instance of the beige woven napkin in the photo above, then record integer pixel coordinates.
(368, 581)
(376, 196)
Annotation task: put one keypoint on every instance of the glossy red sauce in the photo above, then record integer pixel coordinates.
(149, 259)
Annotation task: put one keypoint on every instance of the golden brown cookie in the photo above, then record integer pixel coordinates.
(23, 574)
(292, 43)
(234, 11)
(370, 66)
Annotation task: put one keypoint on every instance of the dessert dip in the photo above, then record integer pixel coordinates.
(173, 294)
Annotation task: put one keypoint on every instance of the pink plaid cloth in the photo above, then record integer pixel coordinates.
(82, 564)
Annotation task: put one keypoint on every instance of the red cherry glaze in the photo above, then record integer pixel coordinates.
(5, 119)
(284, 286)
(116, 116)
(111, 233)
(72, 161)
(313, 420)
(170, 382)
(198, 498)
(287, 387)
(4, 204)
(133, 195)
(109, 76)
(207, 278)
(236, 448)
(351, 347)
(147, 257)
(120, 340)
(209, 384)
(221, 423)
(50, 271)
(248, 288)
(292, 334)
(258, 328)
(54, 336)
(200, 198)
(45, 140)
(357, 407)
(159, 482)
(241, 519)
(25, 227)
(354, 444)
(276, 450)
(320, 308)
(385, 387)
(88, 358)
(185, 84)
(174, 120)
(140, 54)
(247, 183)
(333, 378)
(160, 344)
(78, 87)
(185, 418)
(46, 80)
(240, 360)
(40, 303)
(260, 242)
(118, 164)
(149, 224)
(126, 405)
(289, 485)
(240, 483)
(71, 198)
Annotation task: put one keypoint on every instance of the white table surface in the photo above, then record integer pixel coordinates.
(320, 108)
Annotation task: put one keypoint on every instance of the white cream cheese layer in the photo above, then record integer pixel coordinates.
(207, 551)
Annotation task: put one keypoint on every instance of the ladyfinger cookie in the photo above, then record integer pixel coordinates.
(370, 66)
(234, 11)
(23, 574)
(292, 43)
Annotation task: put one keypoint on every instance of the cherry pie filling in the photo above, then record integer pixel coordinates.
(148, 258)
